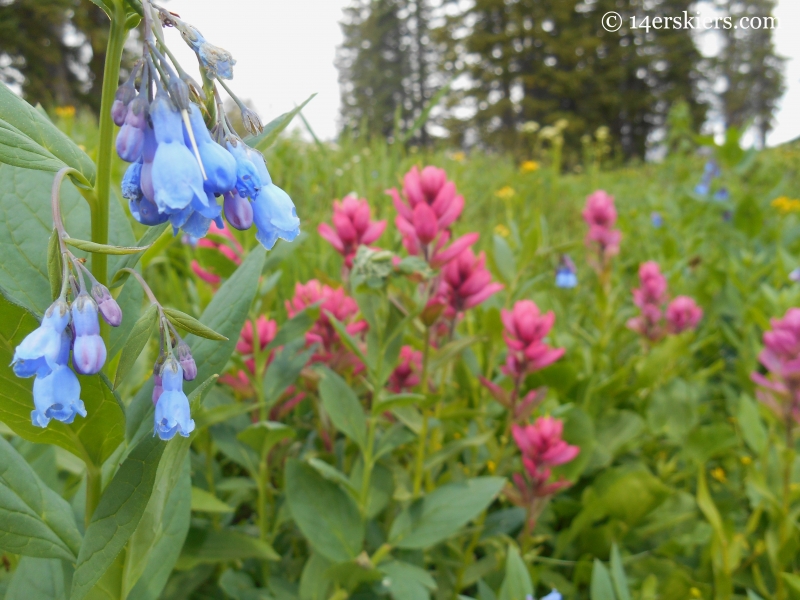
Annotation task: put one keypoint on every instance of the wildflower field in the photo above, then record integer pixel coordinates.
(250, 366)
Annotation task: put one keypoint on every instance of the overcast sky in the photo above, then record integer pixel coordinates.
(285, 52)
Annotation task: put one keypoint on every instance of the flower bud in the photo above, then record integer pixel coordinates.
(187, 361)
(108, 307)
(125, 93)
(130, 138)
(89, 350)
(251, 121)
(179, 92)
(238, 210)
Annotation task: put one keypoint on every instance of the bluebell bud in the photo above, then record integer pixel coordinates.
(130, 138)
(275, 216)
(216, 60)
(122, 98)
(656, 219)
(238, 210)
(41, 348)
(219, 164)
(108, 307)
(248, 181)
(187, 361)
(176, 175)
(88, 350)
(172, 409)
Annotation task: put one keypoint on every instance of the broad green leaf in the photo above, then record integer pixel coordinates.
(504, 259)
(443, 512)
(117, 515)
(46, 147)
(517, 582)
(601, 587)
(262, 436)
(93, 438)
(239, 586)
(407, 582)
(392, 401)
(284, 369)
(326, 515)
(226, 314)
(314, 580)
(136, 342)
(203, 501)
(167, 548)
(393, 438)
(39, 578)
(192, 325)
(273, 129)
(333, 474)
(709, 441)
(96, 248)
(34, 520)
(211, 546)
(295, 327)
(343, 407)
(618, 577)
(753, 430)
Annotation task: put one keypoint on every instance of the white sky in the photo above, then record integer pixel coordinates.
(285, 51)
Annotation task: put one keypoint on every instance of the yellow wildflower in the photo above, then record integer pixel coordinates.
(491, 466)
(719, 474)
(505, 193)
(457, 435)
(459, 156)
(695, 593)
(786, 205)
(65, 111)
(502, 230)
(529, 166)
(746, 460)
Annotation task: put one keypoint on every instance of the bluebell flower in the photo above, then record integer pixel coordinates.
(566, 279)
(40, 349)
(132, 182)
(172, 406)
(795, 275)
(702, 188)
(196, 225)
(89, 350)
(275, 216)
(176, 175)
(554, 595)
(238, 210)
(656, 219)
(722, 194)
(216, 60)
(248, 181)
(148, 155)
(219, 164)
(146, 212)
(130, 138)
(57, 394)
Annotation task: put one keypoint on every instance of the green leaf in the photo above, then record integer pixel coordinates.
(54, 266)
(327, 516)
(517, 582)
(39, 578)
(34, 520)
(393, 438)
(350, 342)
(137, 340)
(618, 577)
(211, 546)
(192, 325)
(117, 515)
(407, 582)
(504, 259)
(601, 587)
(262, 436)
(274, 128)
(93, 438)
(753, 429)
(284, 369)
(239, 586)
(343, 407)
(130, 261)
(102, 248)
(440, 514)
(392, 401)
(203, 501)
(333, 474)
(31, 141)
(173, 527)
(295, 327)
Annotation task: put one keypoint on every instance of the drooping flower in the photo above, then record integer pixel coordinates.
(683, 314)
(566, 273)
(352, 227)
(40, 349)
(525, 329)
(218, 164)
(466, 282)
(172, 408)
(406, 374)
(238, 210)
(56, 394)
(275, 216)
(130, 139)
(217, 61)
(108, 307)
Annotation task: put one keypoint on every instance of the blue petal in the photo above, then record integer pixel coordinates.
(219, 164)
(173, 415)
(248, 181)
(132, 182)
(84, 315)
(57, 396)
(197, 225)
(275, 216)
(176, 177)
(172, 376)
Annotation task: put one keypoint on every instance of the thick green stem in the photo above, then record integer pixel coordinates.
(102, 186)
(419, 467)
(94, 489)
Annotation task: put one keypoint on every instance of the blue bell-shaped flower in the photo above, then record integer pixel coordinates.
(248, 181)
(132, 182)
(130, 138)
(275, 216)
(219, 164)
(40, 348)
(56, 394)
(89, 350)
(176, 175)
(172, 408)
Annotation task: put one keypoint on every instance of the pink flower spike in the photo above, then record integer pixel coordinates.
(683, 314)
(352, 227)
(444, 256)
(600, 210)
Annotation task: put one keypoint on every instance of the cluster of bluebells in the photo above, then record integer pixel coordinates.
(710, 172)
(45, 353)
(779, 389)
(653, 321)
(525, 329)
(542, 448)
(601, 239)
(174, 365)
(181, 171)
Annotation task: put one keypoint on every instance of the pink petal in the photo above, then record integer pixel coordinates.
(328, 234)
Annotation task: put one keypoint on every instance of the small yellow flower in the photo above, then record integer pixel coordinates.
(746, 460)
(459, 156)
(529, 166)
(502, 230)
(695, 593)
(491, 466)
(719, 474)
(786, 205)
(65, 111)
(457, 435)
(505, 193)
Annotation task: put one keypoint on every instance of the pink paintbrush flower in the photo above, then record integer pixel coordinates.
(352, 227)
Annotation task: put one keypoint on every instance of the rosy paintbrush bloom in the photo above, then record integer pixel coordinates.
(601, 215)
(352, 227)
(466, 282)
(524, 331)
(406, 374)
(653, 288)
(683, 314)
(780, 388)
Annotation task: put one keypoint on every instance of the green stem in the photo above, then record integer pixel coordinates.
(423, 434)
(94, 489)
(116, 43)
(368, 465)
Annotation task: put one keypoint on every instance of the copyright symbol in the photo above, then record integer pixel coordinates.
(612, 21)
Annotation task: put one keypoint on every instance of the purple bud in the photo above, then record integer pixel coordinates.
(122, 98)
(89, 350)
(118, 113)
(157, 389)
(108, 307)
(130, 138)
(238, 210)
(187, 361)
